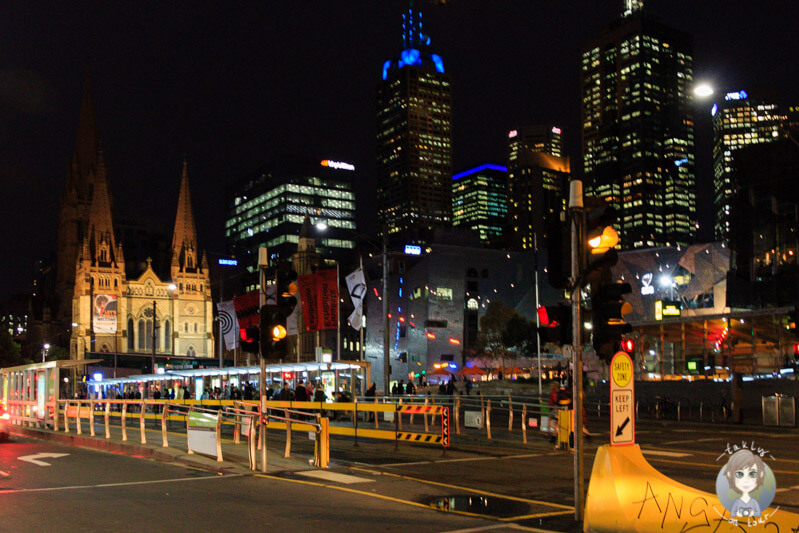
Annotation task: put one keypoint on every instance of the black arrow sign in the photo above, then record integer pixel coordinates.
(622, 426)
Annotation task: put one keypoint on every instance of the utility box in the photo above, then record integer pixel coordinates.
(473, 419)
(771, 415)
(786, 407)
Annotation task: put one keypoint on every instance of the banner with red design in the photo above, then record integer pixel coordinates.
(319, 299)
(247, 309)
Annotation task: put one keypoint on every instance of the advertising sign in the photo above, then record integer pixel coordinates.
(201, 431)
(104, 310)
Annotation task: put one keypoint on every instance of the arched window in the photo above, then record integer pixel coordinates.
(167, 335)
(195, 327)
(190, 352)
(131, 338)
(186, 327)
(142, 331)
(149, 339)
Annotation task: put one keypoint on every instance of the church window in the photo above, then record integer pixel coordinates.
(149, 339)
(167, 335)
(195, 327)
(130, 335)
(190, 352)
(186, 327)
(142, 344)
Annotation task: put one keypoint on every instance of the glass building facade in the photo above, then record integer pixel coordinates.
(638, 128)
(738, 121)
(268, 208)
(480, 200)
(414, 135)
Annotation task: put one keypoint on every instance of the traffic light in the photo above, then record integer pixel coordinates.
(628, 345)
(250, 339)
(609, 308)
(793, 322)
(274, 328)
(600, 239)
(555, 323)
(558, 251)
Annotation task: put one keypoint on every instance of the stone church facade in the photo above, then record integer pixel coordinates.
(110, 312)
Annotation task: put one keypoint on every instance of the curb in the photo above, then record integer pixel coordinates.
(131, 449)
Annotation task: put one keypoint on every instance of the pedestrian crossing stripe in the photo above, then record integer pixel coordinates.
(422, 409)
(420, 437)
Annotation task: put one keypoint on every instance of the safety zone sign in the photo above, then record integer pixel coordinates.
(622, 398)
(445, 427)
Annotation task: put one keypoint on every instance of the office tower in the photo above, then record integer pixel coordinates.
(538, 178)
(268, 208)
(414, 135)
(738, 121)
(480, 200)
(638, 128)
(538, 138)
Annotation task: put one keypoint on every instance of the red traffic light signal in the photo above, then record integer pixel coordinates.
(796, 351)
(628, 345)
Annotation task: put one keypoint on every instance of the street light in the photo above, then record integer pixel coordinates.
(44, 351)
(703, 90)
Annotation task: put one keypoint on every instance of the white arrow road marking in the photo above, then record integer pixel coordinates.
(34, 458)
(5, 474)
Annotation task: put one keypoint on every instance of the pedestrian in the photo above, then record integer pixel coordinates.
(319, 394)
(410, 388)
(301, 393)
(468, 385)
(285, 393)
(401, 387)
(394, 389)
(450, 388)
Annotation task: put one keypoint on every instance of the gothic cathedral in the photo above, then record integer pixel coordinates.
(109, 312)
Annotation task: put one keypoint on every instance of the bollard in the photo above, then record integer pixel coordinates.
(164, 440)
(77, 419)
(107, 414)
(55, 417)
(426, 427)
(237, 430)
(399, 414)
(287, 453)
(124, 421)
(410, 421)
(218, 437)
(141, 425)
(488, 420)
(66, 417)
(251, 445)
(524, 424)
(510, 415)
(91, 418)
(457, 415)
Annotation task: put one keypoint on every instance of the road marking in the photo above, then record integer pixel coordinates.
(34, 459)
(123, 484)
(692, 440)
(334, 476)
(466, 489)
(6, 474)
(516, 527)
(665, 454)
(462, 460)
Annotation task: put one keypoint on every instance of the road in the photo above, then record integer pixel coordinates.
(371, 487)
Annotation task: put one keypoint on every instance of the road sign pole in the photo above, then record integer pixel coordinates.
(577, 224)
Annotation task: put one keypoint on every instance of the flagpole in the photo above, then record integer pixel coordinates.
(360, 329)
(338, 316)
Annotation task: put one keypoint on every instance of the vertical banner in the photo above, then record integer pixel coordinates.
(327, 288)
(292, 325)
(229, 322)
(247, 309)
(356, 285)
(309, 301)
(105, 313)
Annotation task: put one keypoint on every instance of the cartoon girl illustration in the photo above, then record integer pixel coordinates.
(745, 473)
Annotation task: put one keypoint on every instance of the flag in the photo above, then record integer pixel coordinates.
(228, 323)
(356, 285)
(292, 321)
(319, 299)
(247, 309)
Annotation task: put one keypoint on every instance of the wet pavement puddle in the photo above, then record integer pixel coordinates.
(481, 505)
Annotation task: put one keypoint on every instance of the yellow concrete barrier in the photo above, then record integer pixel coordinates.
(627, 494)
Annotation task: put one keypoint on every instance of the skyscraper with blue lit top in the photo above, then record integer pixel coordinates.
(414, 135)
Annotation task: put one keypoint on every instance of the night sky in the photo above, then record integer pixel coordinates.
(230, 85)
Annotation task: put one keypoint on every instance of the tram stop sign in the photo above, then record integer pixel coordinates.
(622, 400)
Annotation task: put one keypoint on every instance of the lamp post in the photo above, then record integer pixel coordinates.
(44, 351)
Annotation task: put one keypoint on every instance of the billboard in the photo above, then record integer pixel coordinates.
(104, 313)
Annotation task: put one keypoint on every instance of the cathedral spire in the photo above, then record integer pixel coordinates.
(184, 240)
(101, 230)
(87, 143)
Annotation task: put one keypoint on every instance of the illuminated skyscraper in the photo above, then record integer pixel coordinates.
(638, 128)
(414, 135)
(480, 200)
(539, 138)
(738, 121)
